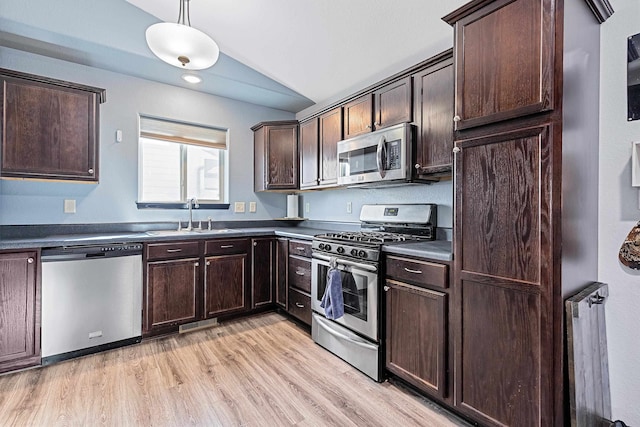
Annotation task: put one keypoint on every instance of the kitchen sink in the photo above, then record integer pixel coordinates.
(187, 232)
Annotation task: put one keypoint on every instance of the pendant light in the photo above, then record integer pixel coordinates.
(182, 45)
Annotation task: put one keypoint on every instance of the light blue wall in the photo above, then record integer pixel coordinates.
(113, 199)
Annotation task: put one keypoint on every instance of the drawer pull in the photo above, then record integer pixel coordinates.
(174, 250)
(226, 246)
(408, 270)
(299, 305)
(300, 273)
(299, 248)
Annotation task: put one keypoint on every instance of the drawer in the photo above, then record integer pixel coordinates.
(300, 306)
(300, 273)
(300, 248)
(417, 272)
(173, 250)
(226, 246)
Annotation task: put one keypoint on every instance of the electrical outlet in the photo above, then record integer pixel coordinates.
(349, 206)
(307, 207)
(69, 206)
(252, 207)
(238, 207)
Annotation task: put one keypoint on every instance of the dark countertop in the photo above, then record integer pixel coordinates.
(438, 250)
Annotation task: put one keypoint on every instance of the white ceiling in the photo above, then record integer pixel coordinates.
(286, 54)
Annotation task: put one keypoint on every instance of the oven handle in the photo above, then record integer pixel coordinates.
(379, 154)
(325, 325)
(341, 261)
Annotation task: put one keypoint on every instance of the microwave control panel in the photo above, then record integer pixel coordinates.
(392, 160)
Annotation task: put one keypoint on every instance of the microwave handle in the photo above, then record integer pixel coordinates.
(380, 152)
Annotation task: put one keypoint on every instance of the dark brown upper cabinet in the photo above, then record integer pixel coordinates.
(358, 116)
(433, 104)
(386, 106)
(275, 155)
(309, 159)
(330, 134)
(50, 128)
(393, 103)
(504, 52)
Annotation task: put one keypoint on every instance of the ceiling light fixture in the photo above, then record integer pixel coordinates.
(191, 78)
(182, 45)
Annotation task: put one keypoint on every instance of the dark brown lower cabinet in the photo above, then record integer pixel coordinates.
(224, 284)
(19, 310)
(263, 256)
(170, 293)
(416, 336)
(282, 257)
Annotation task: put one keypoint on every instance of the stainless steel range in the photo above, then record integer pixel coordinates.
(355, 337)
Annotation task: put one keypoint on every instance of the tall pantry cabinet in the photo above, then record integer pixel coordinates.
(523, 203)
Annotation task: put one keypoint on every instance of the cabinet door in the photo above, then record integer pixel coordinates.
(393, 103)
(416, 336)
(330, 134)
(262, 271)
(282, 256)
(19, 314)
(433, 101)
(170, 293)
(504, 61)
(505, 271)
(48, 131)
(309, 159)
(282, 157)
(225, 284)
(358, 116)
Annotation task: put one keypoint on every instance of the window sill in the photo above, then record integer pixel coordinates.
(162, 205)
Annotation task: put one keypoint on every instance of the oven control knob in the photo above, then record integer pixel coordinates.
(362, 254)
(321, 246)
(354, 252)
(340, 250)
(327, 247)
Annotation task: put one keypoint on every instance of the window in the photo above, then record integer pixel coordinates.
(178, 161)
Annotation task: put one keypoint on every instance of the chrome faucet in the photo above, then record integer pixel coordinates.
(193, 202)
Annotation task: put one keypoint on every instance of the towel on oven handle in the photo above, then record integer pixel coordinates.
(332, 300)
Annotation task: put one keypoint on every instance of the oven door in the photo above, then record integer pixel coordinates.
(359, 290)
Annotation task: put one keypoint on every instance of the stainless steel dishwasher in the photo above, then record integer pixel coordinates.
(91, 299)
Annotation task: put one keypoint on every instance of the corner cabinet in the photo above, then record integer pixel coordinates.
(19, 310)
(275, 155)
(50, 128)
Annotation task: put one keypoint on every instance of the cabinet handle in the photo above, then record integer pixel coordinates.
(196, 264)
(300, 273)
(208, 262)
(408, 270)
(456, 150)
(386, 288)
(456, 118)
(255, 243)
(30, 260)
(368, 126)
(226, 246)
(174, 250)
(299, 305)
(417, 166)
(299, 248)
(90, 171)
(376, 124)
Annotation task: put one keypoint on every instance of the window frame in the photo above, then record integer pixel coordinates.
(183, 143)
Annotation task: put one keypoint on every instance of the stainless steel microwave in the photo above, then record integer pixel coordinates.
(383, 156)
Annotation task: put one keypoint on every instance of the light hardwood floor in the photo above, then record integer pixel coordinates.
(258, 371)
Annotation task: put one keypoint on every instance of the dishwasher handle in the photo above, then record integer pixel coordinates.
(72, 253)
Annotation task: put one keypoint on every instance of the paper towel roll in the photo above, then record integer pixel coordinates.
(292, 206)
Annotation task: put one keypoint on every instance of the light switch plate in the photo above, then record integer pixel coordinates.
(252, 207)
(238, 207)
(69, 206)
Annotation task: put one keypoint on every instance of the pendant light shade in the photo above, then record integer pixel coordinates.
(182, 45)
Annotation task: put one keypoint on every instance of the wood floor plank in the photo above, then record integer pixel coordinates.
(258, 371)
